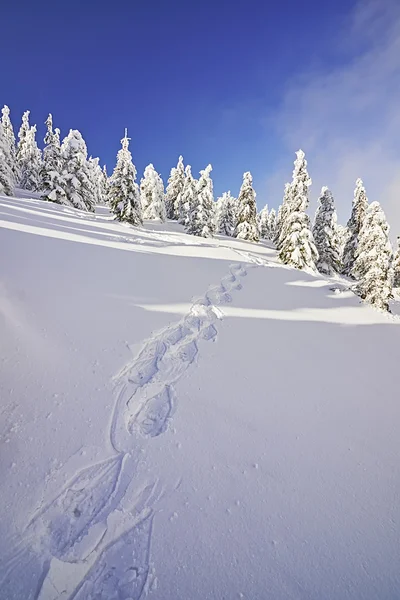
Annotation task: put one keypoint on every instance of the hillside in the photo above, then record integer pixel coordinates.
(185, 418)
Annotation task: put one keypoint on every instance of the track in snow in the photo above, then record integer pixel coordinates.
(67, 528)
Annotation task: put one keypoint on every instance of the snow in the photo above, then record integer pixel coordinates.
(187, 418)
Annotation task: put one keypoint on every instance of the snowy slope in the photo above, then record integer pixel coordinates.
(186, 419)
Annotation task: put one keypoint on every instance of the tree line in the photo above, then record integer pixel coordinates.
(64, 174)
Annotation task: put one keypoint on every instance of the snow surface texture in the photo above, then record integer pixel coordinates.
(187, 418)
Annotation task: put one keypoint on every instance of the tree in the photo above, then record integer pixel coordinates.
(76, 171)
(152, 195)
(96, 181)
(281, 214)
(123, 191)
(174, 190)
(373, 259)
(9, 139)
(354, 225)
(226, 217)
(272, 224)
(263, 223)
(6, 174)
(246, 227)
(104, 183)
(200, 220)
(28, 156)
(326, 235)
(396, 266)
(53, 183)
(188, 196)
(296, 243)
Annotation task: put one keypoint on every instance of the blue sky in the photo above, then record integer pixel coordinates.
(238, 84)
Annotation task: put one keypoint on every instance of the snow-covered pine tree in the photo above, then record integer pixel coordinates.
(174, 190)
(6, 174)
(226, 214)
(29, 159)
(263, 222)
(53, 184)
(342, 238)
(281, 214)
(9, 136)
(396, 266)
(152, 195)
(296, 243)
(76, 172)
(188, 196)
(104, 184)
(325, 234)
(272, 224)
(360, 206)
(123, 191)
(246, 222)
(96, 179)
(373, 259)
(201, 218)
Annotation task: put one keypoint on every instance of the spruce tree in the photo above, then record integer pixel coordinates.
(29, 160)
(226, 216)
(281, 214)
(325, 234)
(296, 243)
(354, 225)
(396, 266)
(174, 190)
(104, 184)
(53, 184)
(76, 172)
(123, 191)
(10, 150)
(96, 179)
(246, 223)
(6, 174)
(188, 196)
(373, 259)
(201, 218)
(152, 195)
(272, 224)
(263, 223)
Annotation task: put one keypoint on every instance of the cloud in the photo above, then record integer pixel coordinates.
(347, 118)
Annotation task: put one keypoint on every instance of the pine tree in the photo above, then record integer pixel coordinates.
(76, 172)
(123, 191)
(296, 243)
(342, 238)
(53, 183)
(246, 223)
(325, 234)
(9, 136)
(174, 190)
(188, 196)
(29, 160)
(263, 223)
(281, 214)
(96, 179)
(396, 266)
(354, 225)
(373, 259)
(201, 218)
(152, 195)
(226, 214)
(272, 224)
(6, 174)
(104, 184)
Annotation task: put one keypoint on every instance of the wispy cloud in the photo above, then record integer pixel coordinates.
(347, 118)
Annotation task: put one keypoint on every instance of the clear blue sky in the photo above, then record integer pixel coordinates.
(202, 79)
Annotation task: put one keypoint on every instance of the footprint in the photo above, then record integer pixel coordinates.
(146, 365)
(152, 420)
(68, 518)
(121, 570)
